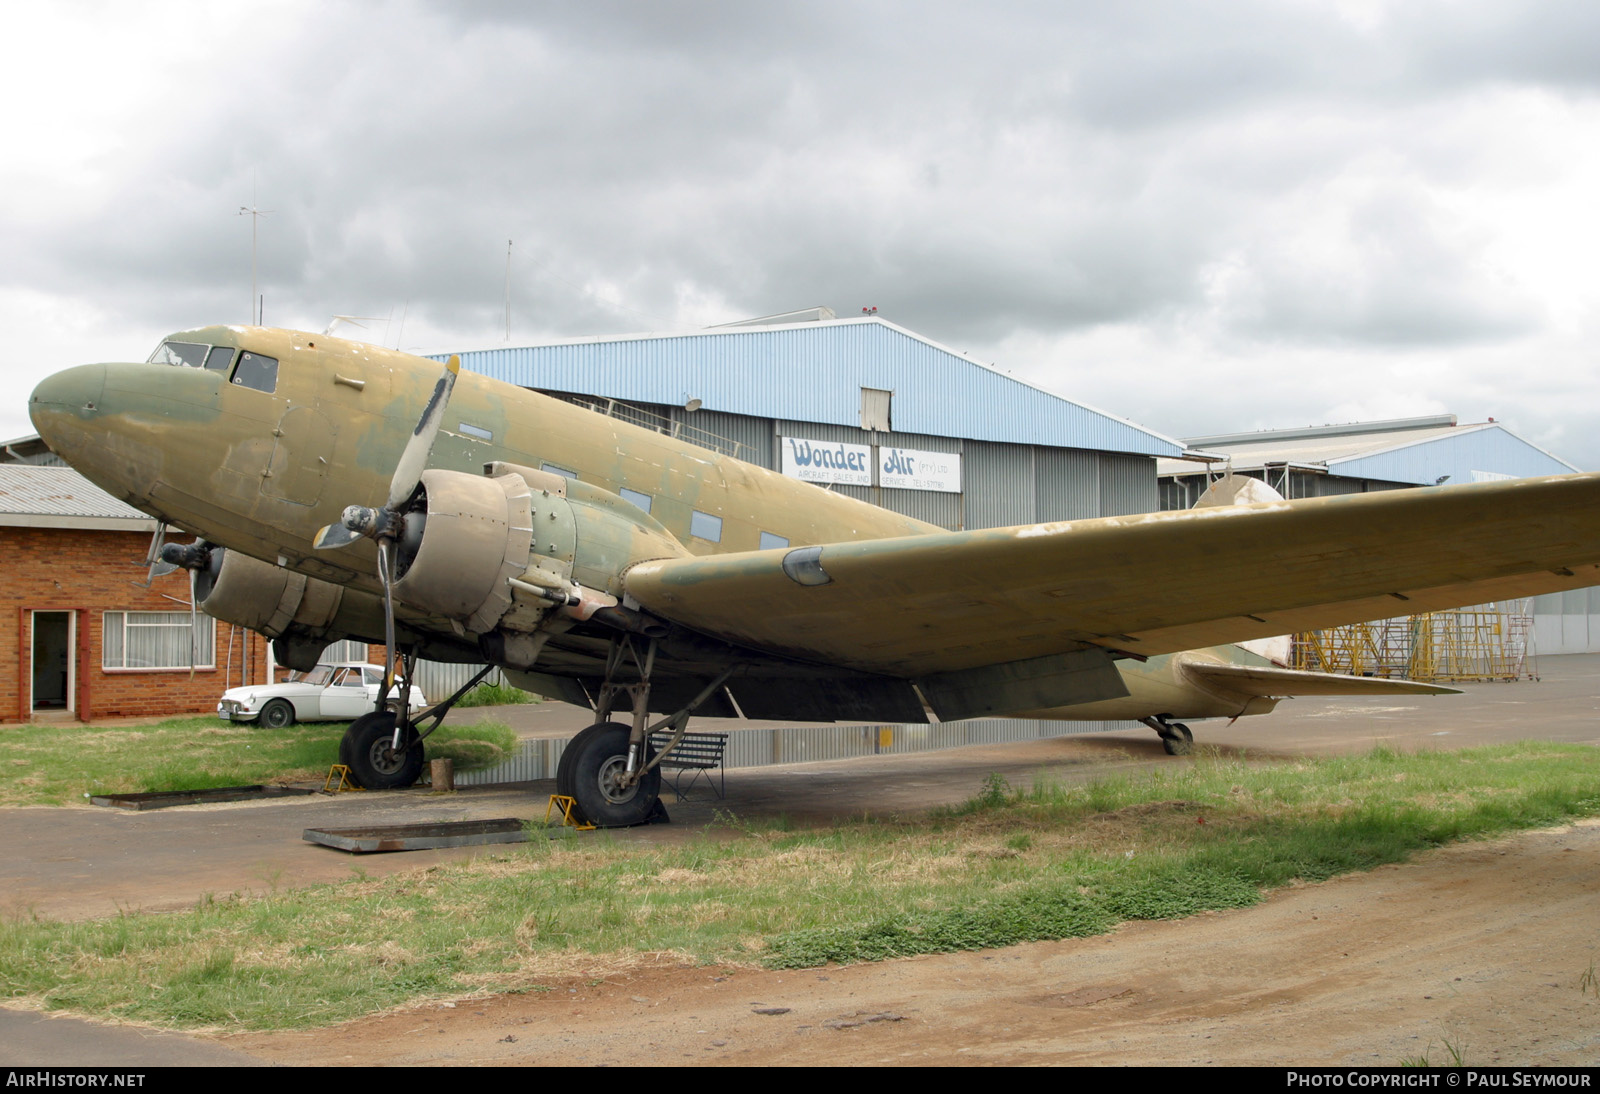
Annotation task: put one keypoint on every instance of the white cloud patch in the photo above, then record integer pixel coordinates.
(1206, 217)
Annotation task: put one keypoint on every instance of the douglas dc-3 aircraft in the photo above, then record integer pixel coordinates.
(339, 489)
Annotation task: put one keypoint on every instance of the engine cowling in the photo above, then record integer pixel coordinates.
(518, 553)
(460, 551)
(301, 614)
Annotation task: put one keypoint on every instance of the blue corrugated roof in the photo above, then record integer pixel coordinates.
(1422, 455)
(1465, 454)
(814, 372)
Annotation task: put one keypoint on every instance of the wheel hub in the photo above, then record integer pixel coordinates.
(384, 758)
(615, 786)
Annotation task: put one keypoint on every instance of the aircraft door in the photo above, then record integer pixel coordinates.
(300, 459)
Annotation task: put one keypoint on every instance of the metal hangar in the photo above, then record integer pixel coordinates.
(863, 407)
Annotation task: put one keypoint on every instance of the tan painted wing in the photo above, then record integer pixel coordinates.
(1266, 681)
(1148, 584)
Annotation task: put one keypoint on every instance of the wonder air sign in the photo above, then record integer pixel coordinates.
(909, 469)
(826, 461)
(855, 465)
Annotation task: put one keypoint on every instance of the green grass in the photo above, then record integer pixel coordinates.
(1009, 866)
(52, 765)
(496, 695)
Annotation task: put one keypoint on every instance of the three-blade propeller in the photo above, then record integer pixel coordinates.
(385, 525)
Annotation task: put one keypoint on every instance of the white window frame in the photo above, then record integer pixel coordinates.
(120, 623)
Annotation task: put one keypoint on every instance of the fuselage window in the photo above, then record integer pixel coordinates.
(705, 526)
(554, 470)
(769, 541)
(219, 358)
(641, 500)
(476, 431)
(187, 354)
(257, 372)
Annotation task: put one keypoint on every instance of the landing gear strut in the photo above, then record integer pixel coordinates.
(383, 748)
(610, 769)
(1175, 736)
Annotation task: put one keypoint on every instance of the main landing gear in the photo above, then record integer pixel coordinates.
(610, 769)
(1175, 736)
(383, 748)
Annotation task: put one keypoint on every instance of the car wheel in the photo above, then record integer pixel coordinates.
(277, 714)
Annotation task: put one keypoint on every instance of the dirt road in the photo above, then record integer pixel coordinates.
(1479, 949)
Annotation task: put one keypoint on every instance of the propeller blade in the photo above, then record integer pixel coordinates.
(335, 535)
(194, 619)
(384, 570)
(408, 472)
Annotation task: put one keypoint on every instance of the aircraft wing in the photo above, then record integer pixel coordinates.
(1266, 680)
(957, 602)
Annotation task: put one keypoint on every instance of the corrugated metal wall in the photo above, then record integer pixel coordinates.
(811, 743)
(1066, 484)
(1567, 622)
(999, 483)
(1127, 485)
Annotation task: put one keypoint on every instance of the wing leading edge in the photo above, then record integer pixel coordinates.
(1146, 585)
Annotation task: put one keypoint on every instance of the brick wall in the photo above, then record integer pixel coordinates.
(90, 573)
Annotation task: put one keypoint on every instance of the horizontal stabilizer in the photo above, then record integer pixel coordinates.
(1266, 681)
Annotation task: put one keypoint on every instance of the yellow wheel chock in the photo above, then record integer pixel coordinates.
(566, 804)
(338, 780)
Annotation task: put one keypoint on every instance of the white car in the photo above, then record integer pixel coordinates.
(328, 693)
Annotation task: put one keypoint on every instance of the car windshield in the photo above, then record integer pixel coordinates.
(318, 676)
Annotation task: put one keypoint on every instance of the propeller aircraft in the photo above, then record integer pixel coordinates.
(339, 489)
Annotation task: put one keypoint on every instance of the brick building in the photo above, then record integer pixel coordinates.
(84, 633)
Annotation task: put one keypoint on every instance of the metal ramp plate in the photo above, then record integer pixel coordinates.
(420, 837)
(165, 799)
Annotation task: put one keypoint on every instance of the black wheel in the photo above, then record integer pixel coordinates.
(591, 771)
(366, 750)
(1181, 743)
(277, 714)
(570, 753)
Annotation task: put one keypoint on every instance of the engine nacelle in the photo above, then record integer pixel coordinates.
(476, 534)
(302, 615)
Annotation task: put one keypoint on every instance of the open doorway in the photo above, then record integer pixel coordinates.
(52, 661)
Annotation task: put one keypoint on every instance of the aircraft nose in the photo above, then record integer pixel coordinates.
(75, 389)
(65, 399)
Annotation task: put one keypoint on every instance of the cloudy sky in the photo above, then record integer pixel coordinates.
(1203, 216)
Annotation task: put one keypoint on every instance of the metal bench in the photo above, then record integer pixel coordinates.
(698, 756)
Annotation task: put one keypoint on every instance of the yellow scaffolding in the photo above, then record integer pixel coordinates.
(1486, 642)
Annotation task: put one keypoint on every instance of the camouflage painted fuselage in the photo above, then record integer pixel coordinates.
(259, 472)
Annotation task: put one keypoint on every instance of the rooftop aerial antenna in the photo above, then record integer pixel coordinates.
(353, 320)
(255, 216)
(508, 290)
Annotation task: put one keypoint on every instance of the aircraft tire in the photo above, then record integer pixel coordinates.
(1181, 743)
(365, 750)
(598, 756)
(277, 714)
(570, 753)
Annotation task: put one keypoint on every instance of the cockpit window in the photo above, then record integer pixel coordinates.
(219, 358)
(256, 371)
(187, 354)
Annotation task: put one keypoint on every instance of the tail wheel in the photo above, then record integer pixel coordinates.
(592, 770)
(367, 750)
